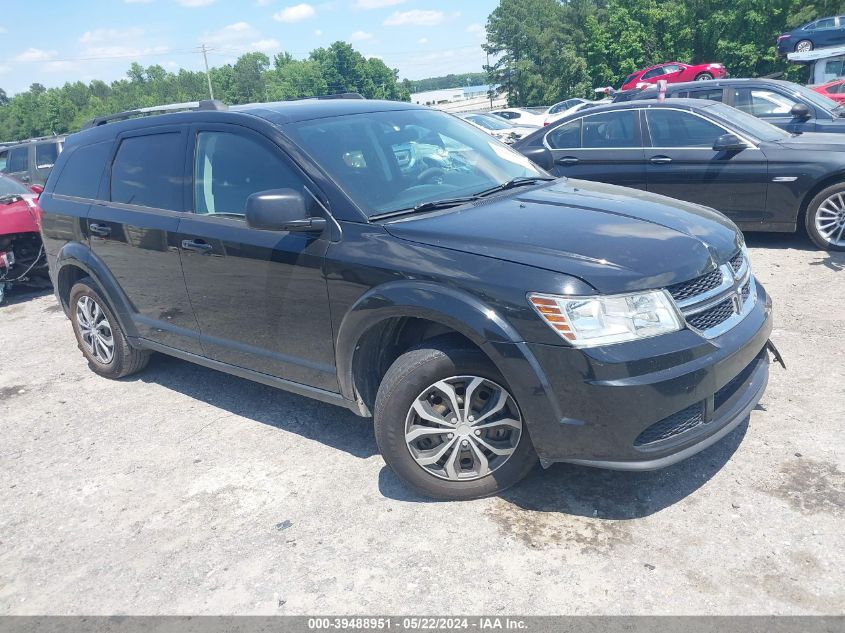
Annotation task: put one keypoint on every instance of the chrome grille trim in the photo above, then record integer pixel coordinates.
(738, 287)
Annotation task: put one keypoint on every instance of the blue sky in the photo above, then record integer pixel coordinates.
(54, 41)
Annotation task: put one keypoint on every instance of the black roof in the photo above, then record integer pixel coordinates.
(277, 113)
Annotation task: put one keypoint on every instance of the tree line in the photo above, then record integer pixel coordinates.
(548, 50)
(254, 77)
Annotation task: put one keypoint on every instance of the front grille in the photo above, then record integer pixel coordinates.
(697, 286)
(737, 261)
(746, 290)
(712, 317)
(675, 424)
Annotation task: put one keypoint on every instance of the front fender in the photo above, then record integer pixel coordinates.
(461, 312)
(80, 256)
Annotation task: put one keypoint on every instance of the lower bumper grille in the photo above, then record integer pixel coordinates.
(675, 424)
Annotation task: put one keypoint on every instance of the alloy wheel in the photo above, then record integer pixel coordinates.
(704, 77)
(95, 329)
(804, 46)
(830, 220)
(463, 428)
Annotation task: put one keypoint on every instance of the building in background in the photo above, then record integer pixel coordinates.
(461, 98)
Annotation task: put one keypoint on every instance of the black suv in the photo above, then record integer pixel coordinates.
(787, 105)
(400, 262)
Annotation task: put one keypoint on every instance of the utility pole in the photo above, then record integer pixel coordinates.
(207, 74)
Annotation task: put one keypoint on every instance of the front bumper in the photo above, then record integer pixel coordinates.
(650, 403)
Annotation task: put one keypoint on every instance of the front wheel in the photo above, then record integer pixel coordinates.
(825, 220)
(447, 424)
(703, 77)
(804, 46)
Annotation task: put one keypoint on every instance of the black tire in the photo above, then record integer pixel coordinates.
(812, 213)
(126, 359)
(807, 42)
(409, 376)
(703, 77)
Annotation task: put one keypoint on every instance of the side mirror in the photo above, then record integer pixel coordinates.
(37, 189)
(729, 143)
(540, 156)
(800, 111)
(281, 210)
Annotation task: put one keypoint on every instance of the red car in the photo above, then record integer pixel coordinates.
(833, 90)
(21, 251)
(674, 72)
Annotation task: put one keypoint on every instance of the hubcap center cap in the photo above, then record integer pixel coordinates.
(463, 429)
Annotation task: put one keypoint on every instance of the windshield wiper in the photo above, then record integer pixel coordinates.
(516, 182)
(433, 205)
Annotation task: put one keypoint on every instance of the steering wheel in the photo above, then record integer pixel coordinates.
(432, 175)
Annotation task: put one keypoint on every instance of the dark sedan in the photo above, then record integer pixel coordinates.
(790, 106)
(816, 34)
(760, 176)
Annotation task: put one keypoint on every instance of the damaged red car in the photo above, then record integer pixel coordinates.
(673, 73)
(21, 251)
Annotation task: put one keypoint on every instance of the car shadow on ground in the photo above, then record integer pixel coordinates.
(603, 494)
(833, 260)
(563, 488)
(21, 293)
(333, 426)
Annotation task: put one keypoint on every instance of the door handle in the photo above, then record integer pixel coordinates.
(99, 229)
(567, 160)
(660, 160)
(197, 246)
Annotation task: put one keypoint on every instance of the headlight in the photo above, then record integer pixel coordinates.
(602, 320)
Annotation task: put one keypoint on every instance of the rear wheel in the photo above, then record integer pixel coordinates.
(825, 220)
(99, 335)
(447, 424)
(703, 77)
(803, 46)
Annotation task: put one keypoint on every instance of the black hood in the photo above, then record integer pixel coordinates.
(614, 238)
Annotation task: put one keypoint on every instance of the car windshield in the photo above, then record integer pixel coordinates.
(748, 123)
(819, 100)
(400, 159)
(9, 186)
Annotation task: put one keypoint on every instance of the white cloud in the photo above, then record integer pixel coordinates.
(110, 35)
(3, 29)
(35, 55)
(360, 36)
(117, 50)
(295, 13)
(193, 4)
(366, 5)
(477, 30)
(266, 45)
(318, 32)
(236, 34)
(262, 3)
(417, 17)
(422, 40)
(59, 67)
(4, 69)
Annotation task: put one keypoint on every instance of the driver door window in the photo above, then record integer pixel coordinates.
(763, 103)
(673, 128)
(229, 168)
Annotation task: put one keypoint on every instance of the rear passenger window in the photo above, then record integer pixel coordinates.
(610, 130)
(4, 159)
(567, 136)
(148, 171)
(83, 171)
(18, 159)
(229, 168)
(714, 94)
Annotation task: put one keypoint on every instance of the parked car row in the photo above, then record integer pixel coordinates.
(30, 161)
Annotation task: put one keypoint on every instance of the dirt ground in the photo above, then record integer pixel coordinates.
(187, 491)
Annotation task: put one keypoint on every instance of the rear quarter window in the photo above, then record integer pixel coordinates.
(83, 171)
(148, 171)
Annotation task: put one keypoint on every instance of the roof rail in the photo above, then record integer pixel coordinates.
(339, 95)
(205, 104)
(32, 140)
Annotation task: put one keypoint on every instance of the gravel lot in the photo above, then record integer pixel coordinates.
(187, 491)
